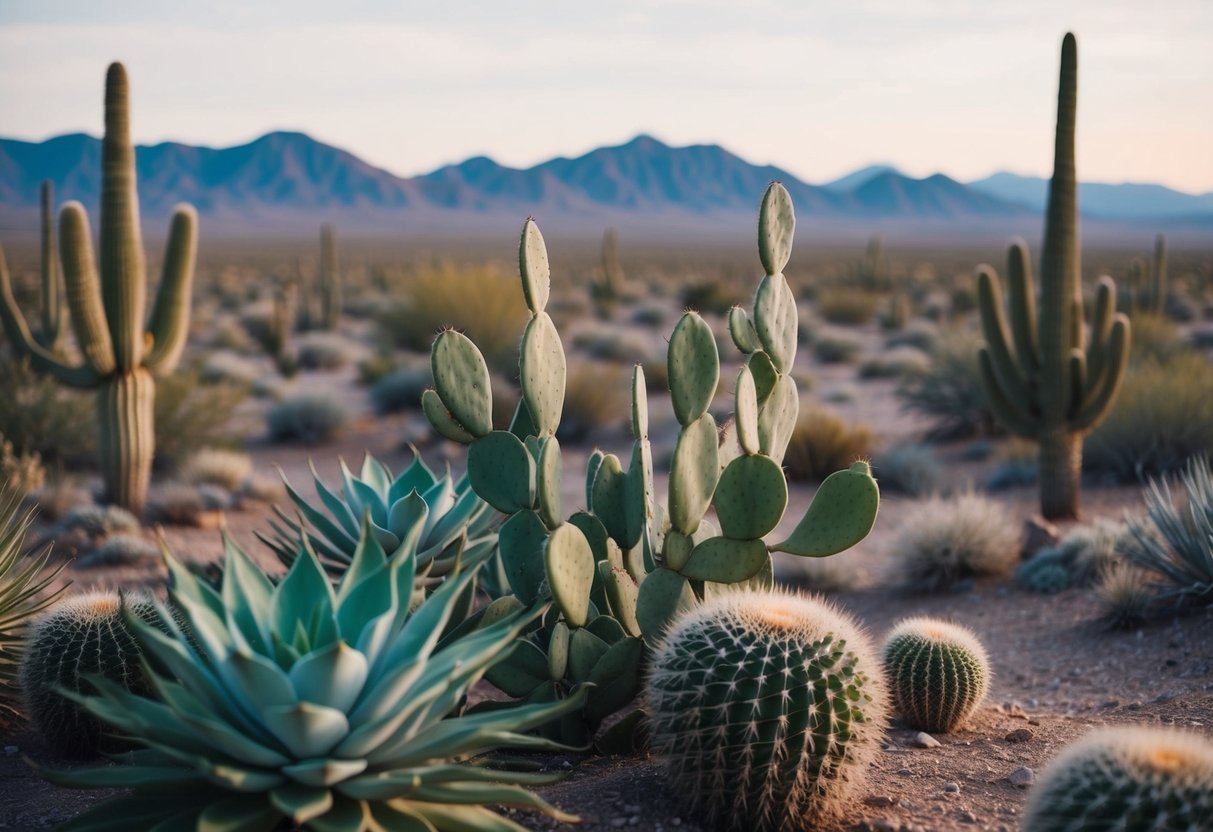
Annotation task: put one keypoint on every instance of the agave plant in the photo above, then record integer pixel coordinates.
(452, 508)
(312, 704)
(21, 586)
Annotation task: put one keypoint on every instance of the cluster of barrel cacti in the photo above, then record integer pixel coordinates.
(619, 572)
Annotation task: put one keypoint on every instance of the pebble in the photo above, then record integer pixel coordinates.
(924, 740)
(1022, 777)
(951, 788)
(885, 825)
(968, 817)
(880, 800)
(905, 772)
(1019, 735)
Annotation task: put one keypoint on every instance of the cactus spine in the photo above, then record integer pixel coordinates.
(1041, 381)
(1126, 779)
(82, 635)
(107, 314)
(938, 673)
(767, 709)
(330, 279)
(52, 305)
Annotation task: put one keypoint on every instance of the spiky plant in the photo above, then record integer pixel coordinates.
(1126, 779)
(327, 707)
(766, 708)
(452, 510)
(938, 673)
(52, 304)
(23, 594)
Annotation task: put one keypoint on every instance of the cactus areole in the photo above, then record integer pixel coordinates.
(121, 352)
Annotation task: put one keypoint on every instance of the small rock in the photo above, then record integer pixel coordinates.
(619, 823)
(951, 788)
(675, 821)
(1022, 777)
(968, 817)
(924, 740)
(11, 751)
(905, 772)
(1038, 533)
(1107, 704)
(880, 800)
(885, 825)
(1019, 735)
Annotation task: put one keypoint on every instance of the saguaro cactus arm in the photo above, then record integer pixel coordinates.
(84, 289)
(169, 325)
(52, 312)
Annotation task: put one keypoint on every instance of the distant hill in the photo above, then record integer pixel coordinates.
(1124, 201)
(289, 182)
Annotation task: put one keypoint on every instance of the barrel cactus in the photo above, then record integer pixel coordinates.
(120, 355)
(328, 707)
(767, 709)
(938, 673)
(1126, 779)
(83, 638)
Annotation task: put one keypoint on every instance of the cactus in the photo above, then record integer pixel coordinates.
(330, 279)
(616, 572)
(82, 635)
(1041, 382)
(120, 357)
(52, 307)
(280, 326)
(938, 673)
(767, 709)
(1158, 276)
(605, 292)
(1128, 779)
(874, 268)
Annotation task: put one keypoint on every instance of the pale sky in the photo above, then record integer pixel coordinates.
(966, 88)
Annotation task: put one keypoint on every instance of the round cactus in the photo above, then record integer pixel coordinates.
(1134, 779)
(767, 708)
(82, 635)
(938, 673)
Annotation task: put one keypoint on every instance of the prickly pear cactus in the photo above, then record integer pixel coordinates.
(767, 709)
(938, 673)
(82, 635)
(1128, 779)
(618, 572)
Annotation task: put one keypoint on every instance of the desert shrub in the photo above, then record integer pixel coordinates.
(832, 345)
(823, 442)
(20, 473)
(121, 550)
(263, 487)
(1124, 596)
(595, 396)
(310, 418)
(816, 574)
(714, 295)
(846, 305)
(650, 315)
(1162, 417)
(611, 343)
(191, 415)
(1154, 338)
(176, 504)
(1017, 463)
(951, 390)
(374, 367)
(324, 351)
(894, 363)
(99, 521)
(401, 389)
(947, 540)
(38, 415)
(481, 302)
(923, 335)
(909, 468)
(1079, 559)
(217, 466)
(224, 366)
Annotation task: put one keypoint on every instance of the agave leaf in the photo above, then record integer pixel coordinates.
(120, 777)
(242, 779)
(447, 526)
(398, 816)
(135, 811)
(440, 498)
(304, 596)
(376, 715)
(332, 501)
(408, 517)
(324, 771)
(305, 729)
(246, 593)
(472, 818)
(259, 679)
(417, 476)
(301, 803)
(238, 813)
(375, 474)
(367, 601)
(369, 560)
(424, 627)
(345, 816)
(332, 677)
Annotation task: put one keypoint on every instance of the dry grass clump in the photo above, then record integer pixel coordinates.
(909, 468)
(832, 345)
(225, 366)
(191, 415)
(310, 418)
(1124, 596)
(823, 442)
(40, 416)
(596, 395)
(324, 351)
(951, 389)
(217, 466)
(20, 473)
(846, 305)
(947, 540)
(897, 362)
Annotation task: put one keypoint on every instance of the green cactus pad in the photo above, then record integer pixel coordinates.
(640, 404)
(607, 629)
(693, 473)
(776, 228)
(765, 375)
(676, 550)
(842, 513)
(570, 569)
(745, 409)
(541, 366)
(638, 496)
(745, 337)
(750, 497)
(609, 496)
(548, 482)
(526, 670)
(521, 540)
(694, 368)
(558, 651)
(777, 419)
(498, 610)
(622, 593)
(616, 679)
(725, 560)
(502, 472)
(533, 267)
(776, 321)
(585, 651)
(521, 425)
(663, 595)
(441, 418)
(591, 471)
(462, 380)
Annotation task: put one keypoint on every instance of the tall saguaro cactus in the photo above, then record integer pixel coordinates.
(1042, 382)
(52, 301)
(120, 355)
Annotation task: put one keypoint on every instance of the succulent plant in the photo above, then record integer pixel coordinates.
(938, 673)
(52, 304)
(620, 571)
(457, 526)
(121, 356)
(1127, 779)
(330, 707)
(1046, 380)
(81, 639)
(766, 708)
(23, 594)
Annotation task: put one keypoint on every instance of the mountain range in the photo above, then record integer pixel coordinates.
(286, 182)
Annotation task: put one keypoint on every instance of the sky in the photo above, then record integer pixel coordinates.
(820, 89)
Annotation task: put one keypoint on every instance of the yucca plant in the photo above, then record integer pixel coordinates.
(332, 528)
(312, 704)
(22, 584)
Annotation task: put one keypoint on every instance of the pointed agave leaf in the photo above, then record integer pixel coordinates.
(305, 595)
(417, 476)
(247, 595)
(349, 816)
(324, 772)
(301, 803)
(375, 474)
(334, 503)
(332, 677)
(305, 729)
(369, 558)
(407, 519)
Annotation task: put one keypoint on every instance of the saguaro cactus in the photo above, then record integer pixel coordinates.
(1042, 382)
(52, 302)
(107, 313)
(330, 279)
(1158, 276)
